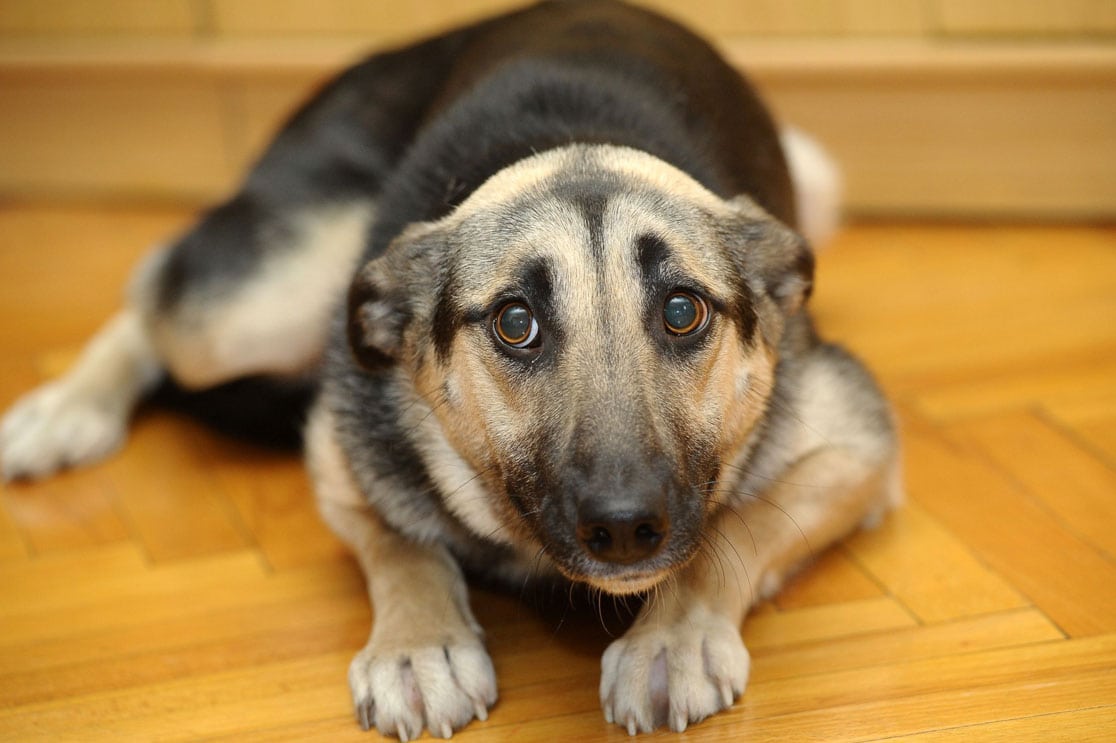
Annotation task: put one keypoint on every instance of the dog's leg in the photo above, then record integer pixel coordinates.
(203, 326)
(425, 664)
(83, 416)
(684, 659)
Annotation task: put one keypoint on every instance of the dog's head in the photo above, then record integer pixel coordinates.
(589, 339)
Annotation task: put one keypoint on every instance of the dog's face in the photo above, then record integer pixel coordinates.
(590, 338)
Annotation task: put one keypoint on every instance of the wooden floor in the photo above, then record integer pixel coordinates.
(185, 590)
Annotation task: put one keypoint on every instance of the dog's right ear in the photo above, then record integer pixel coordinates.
(376, 317)
(391, 292)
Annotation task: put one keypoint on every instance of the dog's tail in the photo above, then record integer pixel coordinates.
(818, 186)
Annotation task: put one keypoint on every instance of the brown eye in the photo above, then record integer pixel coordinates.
(516, 326)
(684, 313)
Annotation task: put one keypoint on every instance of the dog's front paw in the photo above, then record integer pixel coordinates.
(674, 673)
(442, 687)
(57, 426)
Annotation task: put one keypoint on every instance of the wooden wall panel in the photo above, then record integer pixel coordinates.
(971, 148)
(112, 135)
(799, 17)
(1085, 18)
(922, 124)
(97, 17)
(390, 18)
(346, 17)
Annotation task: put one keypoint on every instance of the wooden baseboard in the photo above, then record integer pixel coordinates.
(920, 129)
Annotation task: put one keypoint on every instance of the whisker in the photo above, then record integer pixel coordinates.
(768, 478)
(777, 507)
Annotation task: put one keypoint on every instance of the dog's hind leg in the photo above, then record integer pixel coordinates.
(248, 291)
(83, 416)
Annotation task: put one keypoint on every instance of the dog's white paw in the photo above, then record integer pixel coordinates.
(673, 674)
(441, 687)
(58, 426)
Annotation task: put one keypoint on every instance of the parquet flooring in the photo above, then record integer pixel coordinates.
(185, 590)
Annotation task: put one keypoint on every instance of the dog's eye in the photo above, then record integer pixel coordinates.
(684, 313)
(516, 326)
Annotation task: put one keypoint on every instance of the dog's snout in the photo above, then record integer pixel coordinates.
(621, 537)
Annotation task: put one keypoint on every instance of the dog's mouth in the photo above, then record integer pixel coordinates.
(578, 563)
(624, 584)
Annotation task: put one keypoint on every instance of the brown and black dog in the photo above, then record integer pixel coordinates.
(543, 278)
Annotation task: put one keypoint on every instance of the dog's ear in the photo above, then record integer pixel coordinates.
(377, 316)
(775, 260)
(387, 292)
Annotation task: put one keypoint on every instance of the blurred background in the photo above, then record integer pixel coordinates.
(935, 108)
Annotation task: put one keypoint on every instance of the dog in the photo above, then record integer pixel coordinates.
(543, 279)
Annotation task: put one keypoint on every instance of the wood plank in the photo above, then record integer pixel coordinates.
(832, 578)
(1027, 664)
(1074, 380)
(1007, 629)
(272, 496)
(1093, 419)
(120, 593)
(114, 573)
(290, 691)
(971, 353)
(1061, 574)
(1076, 488)
(1082, 725)
(65, 513)
(783, 628)
(194, 646)
(173, 502)
(82, 572)
(12, 545)
(929, 569)
(908, 716)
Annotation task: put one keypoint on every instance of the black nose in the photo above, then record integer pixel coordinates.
(621, 538)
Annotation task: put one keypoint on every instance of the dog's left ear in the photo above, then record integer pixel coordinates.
(775, 260)
(386, 294)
